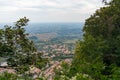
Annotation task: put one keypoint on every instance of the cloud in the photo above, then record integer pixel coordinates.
(48, 10)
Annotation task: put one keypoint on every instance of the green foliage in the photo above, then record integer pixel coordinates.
(105, 24)
(40, 62)
(96, 54)
(9, 76)
(81, 77)
(63, 72)
(15, 46)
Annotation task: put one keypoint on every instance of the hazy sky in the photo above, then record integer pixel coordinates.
(48, 10)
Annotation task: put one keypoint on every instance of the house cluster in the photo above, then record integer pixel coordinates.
(8, 70)
(54, 50)
(55, 65)
(34, 71)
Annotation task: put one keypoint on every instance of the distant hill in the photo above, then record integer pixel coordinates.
(47, 31)
(53, 27)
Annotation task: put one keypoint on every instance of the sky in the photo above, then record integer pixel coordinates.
(48, 10)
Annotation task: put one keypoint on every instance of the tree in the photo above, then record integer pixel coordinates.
(100, 48)
(105, 24)
(19, 52)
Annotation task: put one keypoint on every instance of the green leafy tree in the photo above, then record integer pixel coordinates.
(19, 52)
(99, 50)
(105, 24)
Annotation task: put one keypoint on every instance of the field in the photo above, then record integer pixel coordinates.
(44, 36)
